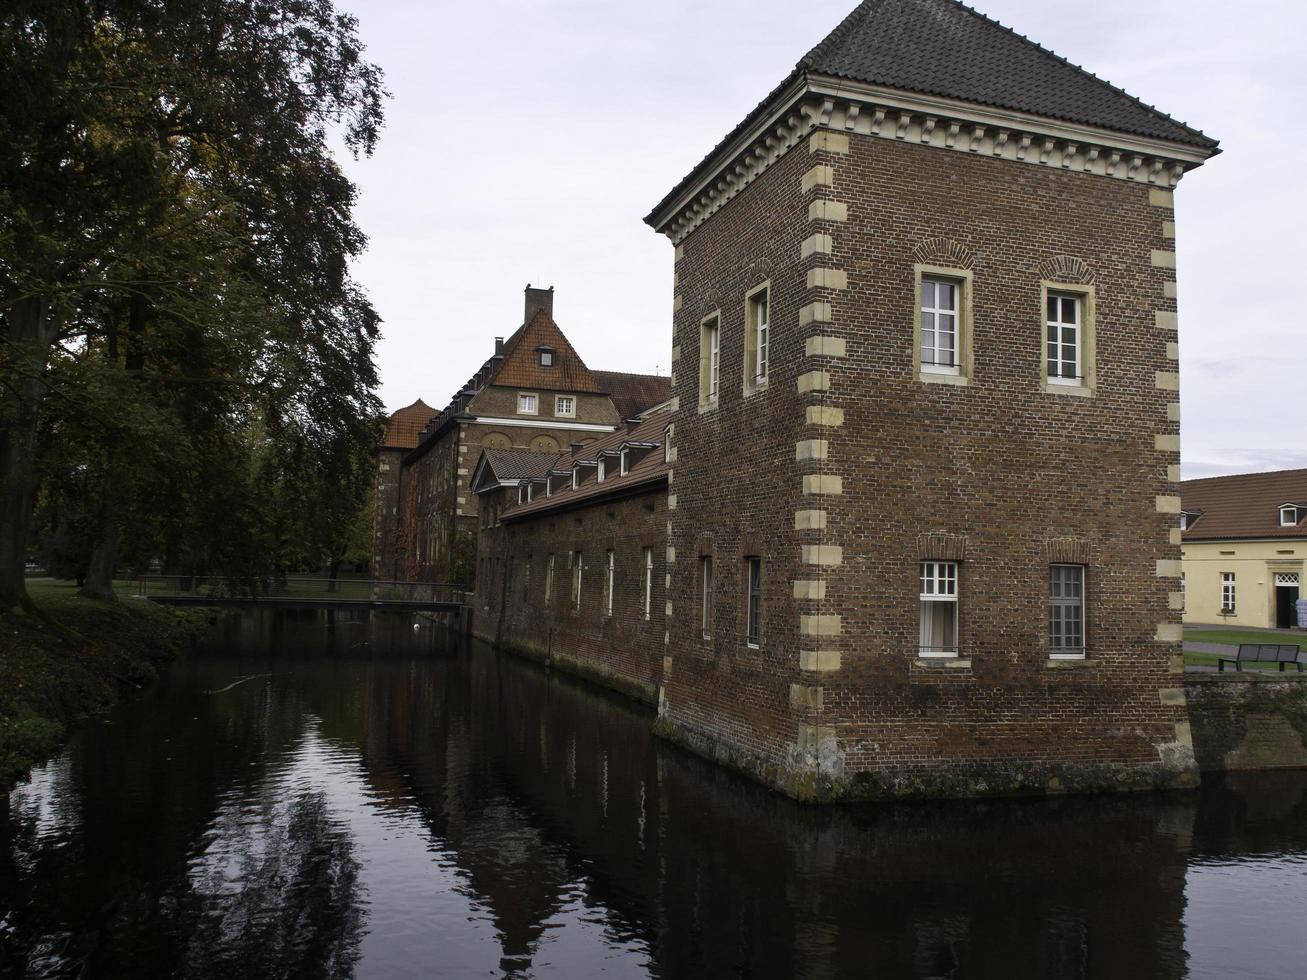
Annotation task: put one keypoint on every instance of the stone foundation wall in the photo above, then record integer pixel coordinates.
(1248, 720)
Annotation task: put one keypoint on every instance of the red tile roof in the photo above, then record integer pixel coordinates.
(403, 427)
(521, 365)
(1244, 506)
(634, 393)
(651, 468)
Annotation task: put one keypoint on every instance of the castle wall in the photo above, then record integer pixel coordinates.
(851, 467)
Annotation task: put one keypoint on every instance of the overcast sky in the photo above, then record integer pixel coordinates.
(525, 141)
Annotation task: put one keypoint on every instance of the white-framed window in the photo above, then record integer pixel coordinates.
(648, 582)
(1064, 323)
(549, 579)
(576, 477)
(753, 601)
(705, 597)
(940, 310)
(1184, 521)
(1066, 611)
(576, 581)
(1289, 515)
(710, 359)
(1227, 592)
(601, 470)
(938, 635)
(565, 406)
(522, 489)
(667, 444)
(546, 356)
(625, 465)
(608, 584)
(528, 403)
(758, 335)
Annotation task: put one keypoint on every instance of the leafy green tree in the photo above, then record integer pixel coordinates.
(170, 208)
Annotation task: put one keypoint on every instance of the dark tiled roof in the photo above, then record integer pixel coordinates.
(519, 464)
(1244, 506)
(650, 469)
(634, 393)
(521, 365)
(945, 48)
(403, 427)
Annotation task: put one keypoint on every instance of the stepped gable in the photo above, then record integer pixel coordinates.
(945, 48)
(1243, 506)
(521, 366)
(404, 426)
(634, 393)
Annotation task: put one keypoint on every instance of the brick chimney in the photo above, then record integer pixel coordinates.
(536, 300)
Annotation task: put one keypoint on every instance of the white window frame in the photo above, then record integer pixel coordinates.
(932, 309)
(624, 465)
(648, 583)
(522, 401)
(757, 324)
(1055, 360)
(1229, 592)
(568, 412)
(608, 584)
(546, 352)
(576, 477)
(601, 470)
(938, 583)
(753, 602)
(705, 597)
(522, 492)
(667, 445)
(549, 579)
(1290, 511)
(1064, 603)
(576, 581)
(710, 340)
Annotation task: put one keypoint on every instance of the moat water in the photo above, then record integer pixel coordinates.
(360, 797)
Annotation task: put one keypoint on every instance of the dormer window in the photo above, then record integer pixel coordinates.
(522, 493)
(1188, 518)
(603, 469)
(576, 477)
(1290, 514)
(625, 466)
(546, 355)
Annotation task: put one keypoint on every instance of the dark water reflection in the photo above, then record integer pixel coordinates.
(368, 800)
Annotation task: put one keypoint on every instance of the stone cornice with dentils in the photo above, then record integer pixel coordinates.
(944, 123)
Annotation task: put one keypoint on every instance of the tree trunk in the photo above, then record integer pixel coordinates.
(333, 570)
(104, 554)
(30, 328)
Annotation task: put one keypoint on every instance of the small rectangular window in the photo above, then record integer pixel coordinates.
(648, 582)
(753, 608)
(758, 341)
(546, 357)
(1065, 329)
(565, 406)
(549, 579)
(1227, 592)
(626, 462)
(939, 609)
(710, 353)
(1066, 611)
(576, 581)
(608, 586)
(667, 444)
(705, 598)
(576, 477)
(601, 470)
(1288, 515)
(939, 325)
(527, 404)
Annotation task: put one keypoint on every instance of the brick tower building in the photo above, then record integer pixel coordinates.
(924, 448)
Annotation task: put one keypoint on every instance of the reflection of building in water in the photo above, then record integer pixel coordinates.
(918, 530)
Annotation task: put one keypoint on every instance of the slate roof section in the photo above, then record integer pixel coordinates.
(521, 365)
(945, 48)
(634, 393)
(519, 464)
(650, 469)
(1244, 506)
(404, 426)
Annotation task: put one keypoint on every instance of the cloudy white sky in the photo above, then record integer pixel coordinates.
(526, 140)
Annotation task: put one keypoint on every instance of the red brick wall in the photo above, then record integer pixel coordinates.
(1003, 467)
(623, 650)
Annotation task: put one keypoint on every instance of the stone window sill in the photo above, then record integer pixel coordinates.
(941, 378)
(943, 663)
(1075, 391)
(1069, 663)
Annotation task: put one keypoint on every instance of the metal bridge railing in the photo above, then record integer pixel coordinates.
(299, 587)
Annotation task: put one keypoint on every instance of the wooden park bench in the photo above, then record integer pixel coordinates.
(1263, 653)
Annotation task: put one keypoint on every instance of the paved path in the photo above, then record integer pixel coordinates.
(1193, 646)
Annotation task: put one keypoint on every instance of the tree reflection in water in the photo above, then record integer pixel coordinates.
(282, 901)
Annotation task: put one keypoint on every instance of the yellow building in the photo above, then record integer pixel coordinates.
(1244, 540)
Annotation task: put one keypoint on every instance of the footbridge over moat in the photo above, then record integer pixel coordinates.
(306, 593)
